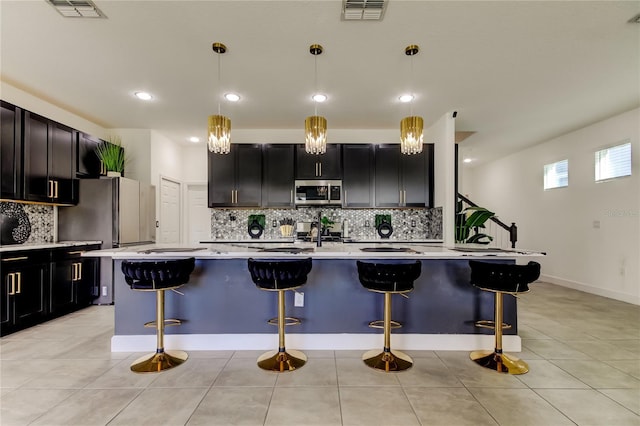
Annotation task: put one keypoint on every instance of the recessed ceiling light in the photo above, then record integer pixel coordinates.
(232, 97)
(319, 97)
(194, 139)
(406, 98)
(143, 96)
(467, 160)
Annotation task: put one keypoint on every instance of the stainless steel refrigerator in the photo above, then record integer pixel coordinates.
(117, 211)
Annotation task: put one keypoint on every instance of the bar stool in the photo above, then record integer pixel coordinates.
(158, 277)
(388, 278)
(280, 276)
(501, 278)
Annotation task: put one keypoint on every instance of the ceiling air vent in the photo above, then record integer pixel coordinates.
(77, 8)
(363, 10)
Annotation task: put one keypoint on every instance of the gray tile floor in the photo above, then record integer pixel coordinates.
(583, 350)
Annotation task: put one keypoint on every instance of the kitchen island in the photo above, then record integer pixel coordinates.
(221, 308)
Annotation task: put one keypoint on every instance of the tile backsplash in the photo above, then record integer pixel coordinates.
(408, 224)
(40, 218)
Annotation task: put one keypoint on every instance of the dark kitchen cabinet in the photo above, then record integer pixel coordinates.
(73, 279)
(10, 151)
(278, 182)
(403, 180)
(49, 156)
(25, 276)
(235, 179)
(357, 175)
(88, 165)
(324, 166)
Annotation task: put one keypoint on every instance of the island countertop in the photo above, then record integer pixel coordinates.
(328, 250)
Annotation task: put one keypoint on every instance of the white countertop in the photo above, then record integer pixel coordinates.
(38, 246)
(329, 250)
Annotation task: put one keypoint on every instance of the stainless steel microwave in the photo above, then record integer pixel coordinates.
(318, 192)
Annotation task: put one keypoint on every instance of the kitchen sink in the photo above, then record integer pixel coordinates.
(388, 249)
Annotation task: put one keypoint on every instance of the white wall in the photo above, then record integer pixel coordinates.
(194, 163)
(166, 159)
(34, 104)
(137, 148)
(560, 221)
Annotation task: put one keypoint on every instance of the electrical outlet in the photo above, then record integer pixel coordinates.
(596, 224)
(366, 223)
(274, 223)
(298, 299)
(413, 223)
(104, 290)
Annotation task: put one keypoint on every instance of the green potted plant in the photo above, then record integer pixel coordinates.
(472, 219)
(111, 154)
(326, 223)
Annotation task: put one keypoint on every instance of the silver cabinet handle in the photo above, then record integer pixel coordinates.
(345, 198)
(320, 163)
(232, 191)
(291, 196)
(316, 169)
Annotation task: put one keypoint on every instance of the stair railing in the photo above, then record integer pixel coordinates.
(512, 230)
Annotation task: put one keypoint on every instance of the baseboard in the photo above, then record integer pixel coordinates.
(611, 294)
(208, 342)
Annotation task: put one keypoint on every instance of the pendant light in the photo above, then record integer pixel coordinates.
(315, 126)
(219, 140)
(411, 137)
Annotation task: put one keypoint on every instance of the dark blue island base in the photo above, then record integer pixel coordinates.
(221, 308)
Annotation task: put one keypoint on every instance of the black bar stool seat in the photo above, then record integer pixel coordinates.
(388, 278)
(158, 277)
(279, 276)
(501, 278)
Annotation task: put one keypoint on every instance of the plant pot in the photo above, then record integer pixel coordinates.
(114, 174)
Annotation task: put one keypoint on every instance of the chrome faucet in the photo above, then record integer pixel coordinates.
(319, 228)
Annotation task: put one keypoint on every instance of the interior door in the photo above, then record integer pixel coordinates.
(198, 214)
(170, 218)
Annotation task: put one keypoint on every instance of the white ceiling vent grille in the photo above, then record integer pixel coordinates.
(77, 8)
(363, 10)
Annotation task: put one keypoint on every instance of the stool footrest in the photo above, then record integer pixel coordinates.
(380, 324)
(167, 323)
(287, 321)
(491, 324)
(281, 361)
(499, 362)
(158, 361)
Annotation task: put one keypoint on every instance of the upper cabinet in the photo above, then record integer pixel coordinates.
(403, 180)
(357, 175)
(49, 156)
(10, 151)
(277, 185)
(324, 166)
(235, 179)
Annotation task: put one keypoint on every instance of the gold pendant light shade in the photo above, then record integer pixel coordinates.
(315, 129)
(411, 137)
(219, 132)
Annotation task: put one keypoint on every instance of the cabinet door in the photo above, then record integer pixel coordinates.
(87, 163)
(7, 290)
(357, 175)
(414, 180)
(313, 166)
(36, 155)
(277, 186)
(221, 171)
(387, 176)
(62, 286)
(30, 299)
(86, 286)
(248, 175)
(10, 151)
(61, 163)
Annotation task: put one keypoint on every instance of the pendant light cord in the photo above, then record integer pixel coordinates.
(219, 88)
(315, 73)
(411, 89)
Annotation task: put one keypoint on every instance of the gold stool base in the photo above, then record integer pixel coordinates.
(158, 361)
(282, 361)
(387, 361)
(502, 363)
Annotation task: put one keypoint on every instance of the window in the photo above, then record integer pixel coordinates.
(556, 175)
(613, 162)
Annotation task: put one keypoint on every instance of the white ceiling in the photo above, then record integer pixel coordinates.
(518, 73)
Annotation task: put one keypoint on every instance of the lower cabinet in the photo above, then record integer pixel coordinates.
(25, 277)
(41, 284)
